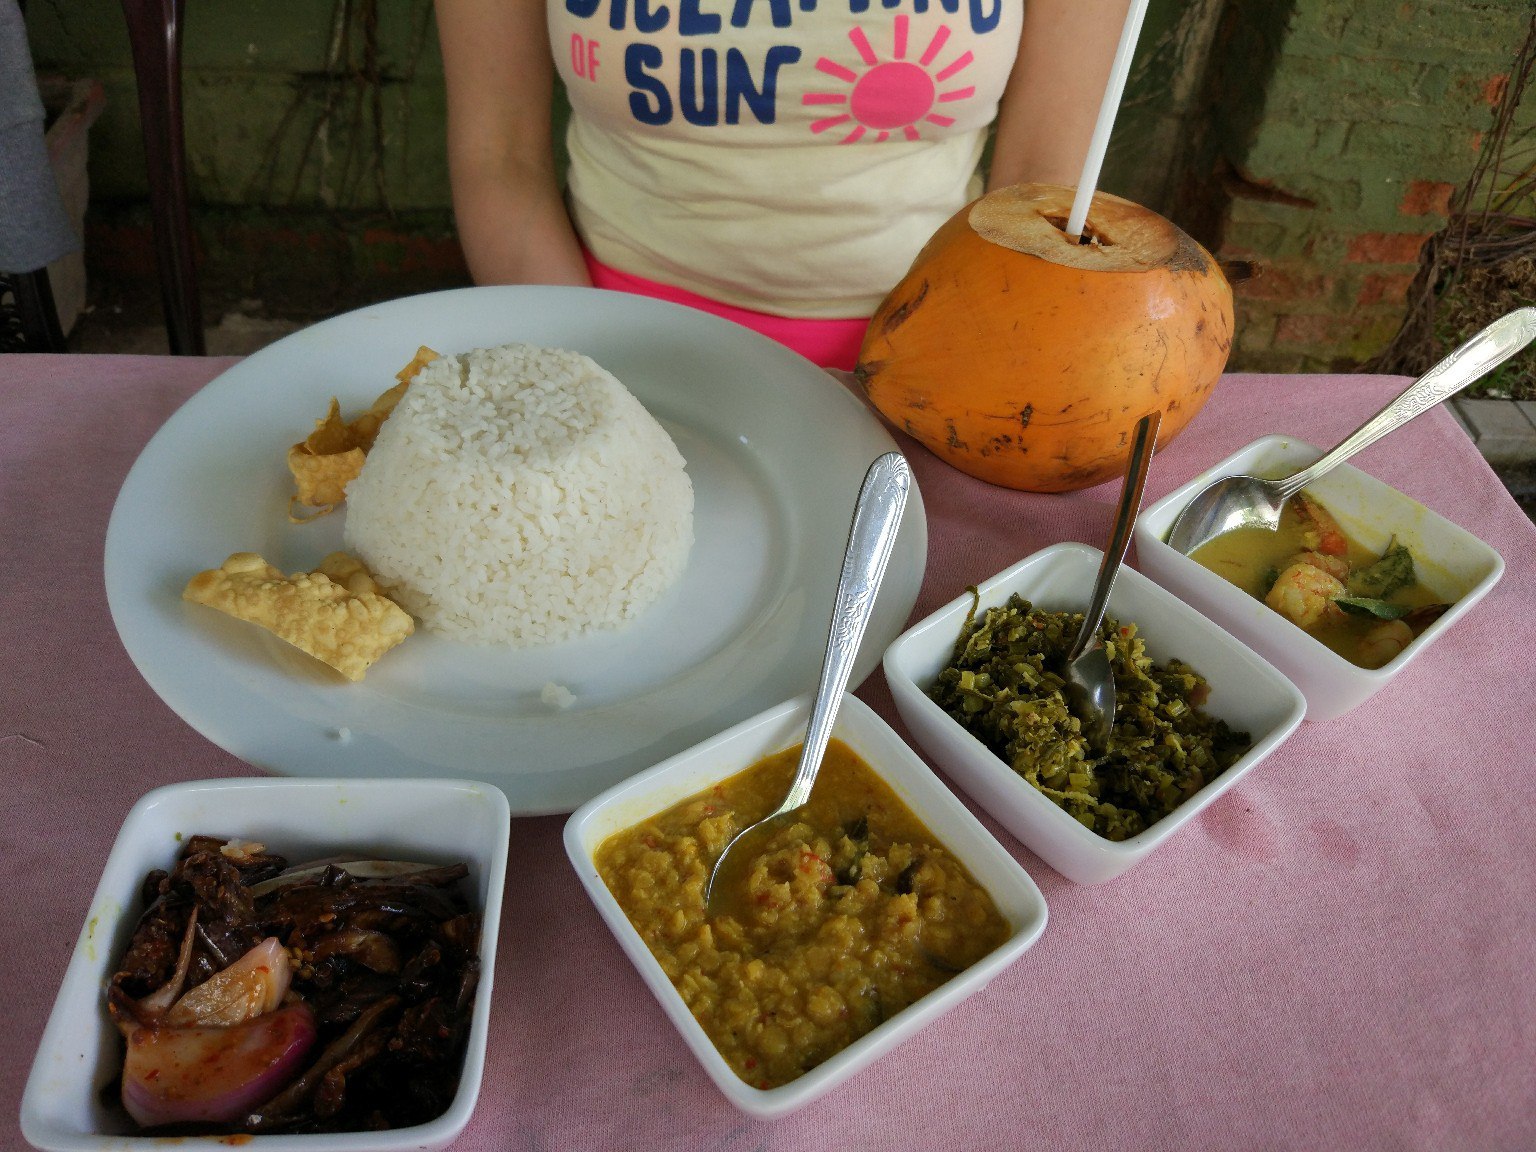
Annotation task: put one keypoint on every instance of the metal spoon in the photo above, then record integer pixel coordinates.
(876, 518)
(1090, 686)
(1249, 502)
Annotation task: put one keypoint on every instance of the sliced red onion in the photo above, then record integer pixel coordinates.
(158, 1001)
(252, 985)
(213, 1075)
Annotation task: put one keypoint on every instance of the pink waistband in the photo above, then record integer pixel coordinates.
(827, 343)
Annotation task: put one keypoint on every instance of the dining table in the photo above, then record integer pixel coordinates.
(1339, 953)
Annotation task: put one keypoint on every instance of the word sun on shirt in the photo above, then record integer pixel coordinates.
(704, 97)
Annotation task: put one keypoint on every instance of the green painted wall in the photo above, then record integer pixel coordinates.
(280, 101)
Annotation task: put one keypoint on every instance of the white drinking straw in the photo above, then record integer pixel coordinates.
(1106, 122)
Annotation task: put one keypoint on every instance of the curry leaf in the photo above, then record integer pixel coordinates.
(1379, 580)
(1369, 606)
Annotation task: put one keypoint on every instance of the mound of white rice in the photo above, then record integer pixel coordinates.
(521, 495)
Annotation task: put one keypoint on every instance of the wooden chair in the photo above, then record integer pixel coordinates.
(154, 31)
(28, 320)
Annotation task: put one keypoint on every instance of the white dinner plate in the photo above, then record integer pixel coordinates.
(775, 448)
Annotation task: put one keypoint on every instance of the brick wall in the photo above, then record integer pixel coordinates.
(1372, 117)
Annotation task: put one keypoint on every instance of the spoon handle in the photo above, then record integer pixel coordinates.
(876, 518)
(1473, 360)
(1120, 535)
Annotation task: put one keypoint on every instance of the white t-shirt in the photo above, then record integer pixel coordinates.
(788, 156)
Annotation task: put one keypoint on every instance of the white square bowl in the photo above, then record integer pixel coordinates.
(433, 821)
(738, 748)
(1246, 692)
(1452, 562)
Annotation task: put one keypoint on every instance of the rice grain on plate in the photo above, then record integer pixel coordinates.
(521, 495)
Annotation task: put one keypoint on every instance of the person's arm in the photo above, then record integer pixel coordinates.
(1053, 95)
(499, 77)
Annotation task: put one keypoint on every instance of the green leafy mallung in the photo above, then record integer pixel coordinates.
(1004, 684)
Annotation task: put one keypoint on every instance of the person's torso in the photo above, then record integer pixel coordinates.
(784, 155)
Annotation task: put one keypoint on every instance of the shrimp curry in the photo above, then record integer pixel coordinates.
(1364, 606)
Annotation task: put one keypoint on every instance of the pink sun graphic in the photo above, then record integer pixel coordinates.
(890, 95)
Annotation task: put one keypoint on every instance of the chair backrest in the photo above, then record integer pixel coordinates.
(154, 33)
(29, 322)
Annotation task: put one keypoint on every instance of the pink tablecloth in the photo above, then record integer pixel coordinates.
(1339, 954)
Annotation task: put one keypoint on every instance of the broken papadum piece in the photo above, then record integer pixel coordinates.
(423, 357)
(336, 614)
(333, 454)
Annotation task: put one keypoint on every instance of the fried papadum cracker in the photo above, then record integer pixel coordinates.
(327, 460)
(337, 613)
(423, 357)
(323, 465)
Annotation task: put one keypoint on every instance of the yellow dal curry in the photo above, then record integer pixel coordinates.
(829, 924)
